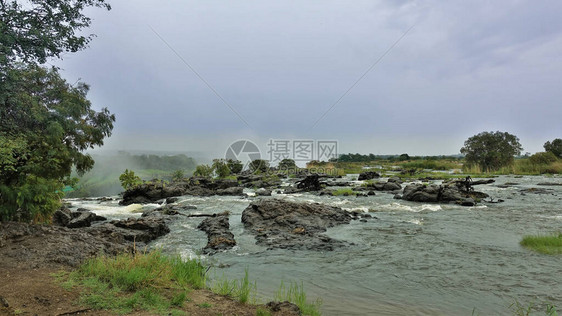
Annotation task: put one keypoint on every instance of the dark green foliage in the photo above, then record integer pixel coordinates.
(543, 158)
(259, 166)
(178, 175)
(403, 157)
(491, 150)
(45, 124)
(203, 171)
(287, 164)
(128, 179)
(42, 29)
(554, 147)
(235, 166)
(220, 167)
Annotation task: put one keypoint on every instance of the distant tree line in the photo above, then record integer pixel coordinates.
(403, 157)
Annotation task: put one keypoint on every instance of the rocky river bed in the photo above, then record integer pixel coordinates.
(423, 258)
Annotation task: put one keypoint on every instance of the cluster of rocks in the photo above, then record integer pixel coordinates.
(150, 192)
(289, 225)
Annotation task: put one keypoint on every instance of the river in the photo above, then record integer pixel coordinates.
(413, 258)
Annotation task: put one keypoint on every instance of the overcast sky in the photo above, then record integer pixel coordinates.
(463, 67)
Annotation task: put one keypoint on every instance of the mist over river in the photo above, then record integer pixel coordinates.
(411, 259)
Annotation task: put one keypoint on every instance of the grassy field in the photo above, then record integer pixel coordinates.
(162, 284)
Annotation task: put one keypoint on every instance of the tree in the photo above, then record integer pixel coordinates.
(491, 150)
(45, 125)
(128, 179)
(43, 29)
(220, 167)
(235, 166)
(259, 166)
(554, 147)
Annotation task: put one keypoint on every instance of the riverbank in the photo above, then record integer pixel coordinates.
(34, 257)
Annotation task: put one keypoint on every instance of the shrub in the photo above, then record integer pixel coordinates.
(543, 158)
(203, 171)
(128, 179)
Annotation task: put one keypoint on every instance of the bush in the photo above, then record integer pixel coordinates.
(543, 158)
(203, 171)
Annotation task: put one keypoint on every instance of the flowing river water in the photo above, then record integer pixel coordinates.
(412, 259)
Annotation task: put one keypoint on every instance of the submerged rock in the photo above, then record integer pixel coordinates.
(218, 232)
(282, 224)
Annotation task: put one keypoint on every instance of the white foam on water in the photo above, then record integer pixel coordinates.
(357, 209)
(479, 207)
(416, 221)
(430, 207)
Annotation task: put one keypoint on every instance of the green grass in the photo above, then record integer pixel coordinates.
(547, 244)
(125, 283)
(432, 164)
(296, 295)
(240, 290)
(344, 192)
(520, 309)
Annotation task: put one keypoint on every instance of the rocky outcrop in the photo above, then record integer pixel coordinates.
(448, 192)
(150, 192)
(45, 245)
(219, 237)
(368, 175)
(282, 224)
(310, 183)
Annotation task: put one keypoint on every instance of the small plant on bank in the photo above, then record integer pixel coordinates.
(296, 295)
(240, 290)
(547, 244)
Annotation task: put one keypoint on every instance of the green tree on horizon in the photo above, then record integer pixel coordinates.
(491, 150)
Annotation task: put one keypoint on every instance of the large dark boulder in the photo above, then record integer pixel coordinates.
(368, 175)
(142, 229)
(283, 224)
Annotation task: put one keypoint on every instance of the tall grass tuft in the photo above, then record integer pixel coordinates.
(241, 290)
(547, 244)
(296, 295)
